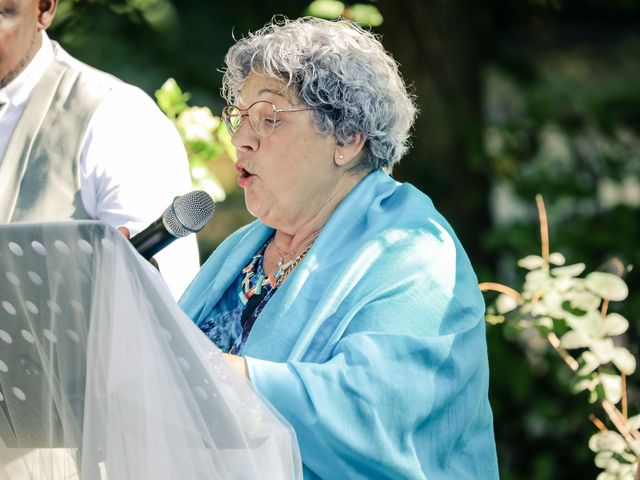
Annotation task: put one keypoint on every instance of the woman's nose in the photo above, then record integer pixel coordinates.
(245, 138)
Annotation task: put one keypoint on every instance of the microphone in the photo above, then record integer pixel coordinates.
(187, 214)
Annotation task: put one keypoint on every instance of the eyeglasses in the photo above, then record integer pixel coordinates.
(263, 117)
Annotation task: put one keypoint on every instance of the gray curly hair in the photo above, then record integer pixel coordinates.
(338, 69)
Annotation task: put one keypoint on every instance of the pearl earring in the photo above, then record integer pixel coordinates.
(341, 156)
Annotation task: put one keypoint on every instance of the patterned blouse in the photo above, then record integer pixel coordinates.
(231, 320)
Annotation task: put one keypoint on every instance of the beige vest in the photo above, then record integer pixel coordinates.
(39, 174)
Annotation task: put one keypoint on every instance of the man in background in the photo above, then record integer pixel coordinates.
(78, 143)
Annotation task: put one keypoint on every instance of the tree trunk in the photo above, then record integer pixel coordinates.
(437, 45)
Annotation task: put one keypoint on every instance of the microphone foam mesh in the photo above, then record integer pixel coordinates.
(188, 213)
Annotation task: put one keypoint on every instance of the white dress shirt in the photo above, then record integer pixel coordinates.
(133, 161)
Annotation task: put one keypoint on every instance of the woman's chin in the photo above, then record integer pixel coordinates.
(256, 208)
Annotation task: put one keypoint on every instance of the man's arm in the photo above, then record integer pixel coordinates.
(133, 165)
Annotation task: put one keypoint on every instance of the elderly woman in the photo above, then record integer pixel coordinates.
(349, 303)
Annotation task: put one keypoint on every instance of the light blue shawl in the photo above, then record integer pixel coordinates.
(374, 347)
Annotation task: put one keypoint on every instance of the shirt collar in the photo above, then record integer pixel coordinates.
(19, 89)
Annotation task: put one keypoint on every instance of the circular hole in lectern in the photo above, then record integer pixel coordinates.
(31, 307)
(34, 277)
(184, 364)
(16, 249)
(201, 393)
(166, 334)
(85, 246)
(5, 337)
(54, 307)
(61, 247)
(73, 335)
(49, 335)
(19, 394)
(13, 279)
(77, 306)
(38, 248)
(28, 336)
(3, 367)
(10, 309)
(107, 244)
(58, 277)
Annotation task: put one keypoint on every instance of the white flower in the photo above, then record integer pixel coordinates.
(198, 124)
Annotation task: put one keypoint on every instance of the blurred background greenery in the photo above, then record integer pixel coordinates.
(517, 97)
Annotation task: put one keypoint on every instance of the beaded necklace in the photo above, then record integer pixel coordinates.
(254, 282)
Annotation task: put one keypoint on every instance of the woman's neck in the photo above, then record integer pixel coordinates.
(290, 241)
(289, 246)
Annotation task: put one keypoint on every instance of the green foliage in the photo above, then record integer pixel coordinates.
(566, 126)
(159, 15)
(325, 9)
(570, 310)
(614, 455)
(365, 14)
(204, 135)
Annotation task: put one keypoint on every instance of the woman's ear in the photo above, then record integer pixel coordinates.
(46, 12)
(346, 154)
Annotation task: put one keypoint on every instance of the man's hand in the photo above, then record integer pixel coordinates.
(127, 234)
(125, 231)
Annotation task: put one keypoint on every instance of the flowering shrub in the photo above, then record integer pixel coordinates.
(205, 138)
(571, 313)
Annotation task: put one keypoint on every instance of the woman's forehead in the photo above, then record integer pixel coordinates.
(257, 87)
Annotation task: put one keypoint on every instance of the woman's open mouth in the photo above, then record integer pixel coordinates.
(244, 176)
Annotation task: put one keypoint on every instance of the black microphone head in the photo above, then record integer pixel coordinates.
(188, 213)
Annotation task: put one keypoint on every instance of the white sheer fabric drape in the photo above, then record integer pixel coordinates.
(102, 376)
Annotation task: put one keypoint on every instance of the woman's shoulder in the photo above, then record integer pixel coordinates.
(398, 215)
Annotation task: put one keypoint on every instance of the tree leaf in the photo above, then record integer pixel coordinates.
(623, 470)
(539, 309)
(536, 279)
(635, 446)
(325, 8)
(603, 349)
(171, 99)
(564, 284)
(630, 458)
(582, 384)
(553, 303)
(633, 423)
(615, 324)
(590, 323)
(575, 339)
(545, 322)
(531, 262)
(367, 15)
(606, 476)
(612, 387)
(505, 303)
(607, 441)
(569, 270)
(494, 319)
(613, 467)
(602, 458)
(624, 360)
(556, 258)
(607, 285)
(589, 363)
(583, 300)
